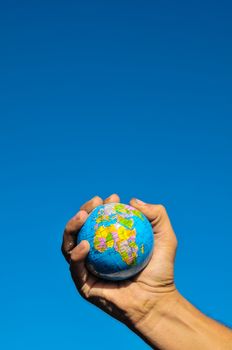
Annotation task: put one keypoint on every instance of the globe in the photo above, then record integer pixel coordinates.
(121, 241)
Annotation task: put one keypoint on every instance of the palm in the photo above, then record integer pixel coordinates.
(114, 297)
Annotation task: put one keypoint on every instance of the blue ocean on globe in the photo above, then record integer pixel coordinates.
(121, 241)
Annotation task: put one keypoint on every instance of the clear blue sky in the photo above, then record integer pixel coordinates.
(132, 97)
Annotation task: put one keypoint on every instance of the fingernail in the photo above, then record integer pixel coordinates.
(76, 251)
(138, 201)
(81, 246)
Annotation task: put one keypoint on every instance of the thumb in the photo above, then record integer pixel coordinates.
(165, 238)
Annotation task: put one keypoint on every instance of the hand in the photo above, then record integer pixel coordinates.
(148, 303)
(130, 301)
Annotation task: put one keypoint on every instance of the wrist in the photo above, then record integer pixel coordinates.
(162, 307)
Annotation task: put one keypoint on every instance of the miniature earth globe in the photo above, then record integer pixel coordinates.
(121, 241)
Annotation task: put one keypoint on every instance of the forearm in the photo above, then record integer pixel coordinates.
(177, 325)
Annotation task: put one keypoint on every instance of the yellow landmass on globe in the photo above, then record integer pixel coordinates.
(121, 238)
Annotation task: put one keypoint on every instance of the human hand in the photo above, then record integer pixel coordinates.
(148, 303)
(130, 301)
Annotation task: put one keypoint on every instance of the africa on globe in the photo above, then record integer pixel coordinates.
(121, 241)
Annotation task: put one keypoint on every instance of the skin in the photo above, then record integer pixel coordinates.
(149, 303)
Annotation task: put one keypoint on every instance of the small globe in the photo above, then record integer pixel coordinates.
(121, 241)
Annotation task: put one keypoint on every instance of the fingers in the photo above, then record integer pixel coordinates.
(74, 225)
(92, 204)
(84, 280)
(164, 235)
(113, 198)
(77, 265)
(70, 233)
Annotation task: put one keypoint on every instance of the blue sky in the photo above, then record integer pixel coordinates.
(111, 96)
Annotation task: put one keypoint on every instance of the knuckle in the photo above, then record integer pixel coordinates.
(70, 227)
(64, 250)
(65, 254)
(161, 209)
(96, 200)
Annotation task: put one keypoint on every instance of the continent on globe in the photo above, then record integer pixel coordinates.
(121, 241)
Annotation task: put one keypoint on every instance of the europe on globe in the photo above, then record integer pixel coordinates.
(121, 241)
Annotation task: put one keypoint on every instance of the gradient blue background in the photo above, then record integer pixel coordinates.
(98, 97)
